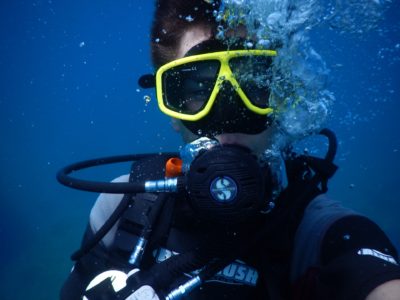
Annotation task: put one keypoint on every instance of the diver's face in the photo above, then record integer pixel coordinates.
(255, 142)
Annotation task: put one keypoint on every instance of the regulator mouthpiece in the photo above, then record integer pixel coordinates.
(226, 185)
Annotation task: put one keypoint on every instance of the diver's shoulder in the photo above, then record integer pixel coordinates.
(111, 200)
(326, 209)
(105, 205)
(321, 213)
(323, 202)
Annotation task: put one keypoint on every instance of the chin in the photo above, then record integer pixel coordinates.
(251, 141)
(257, 143)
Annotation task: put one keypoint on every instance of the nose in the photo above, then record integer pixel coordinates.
(228, 105)
(227, 95)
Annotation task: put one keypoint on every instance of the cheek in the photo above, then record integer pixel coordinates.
(185, 133)
(257, 143)
(175, 125)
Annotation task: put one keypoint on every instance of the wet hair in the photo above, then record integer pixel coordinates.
(172, 19)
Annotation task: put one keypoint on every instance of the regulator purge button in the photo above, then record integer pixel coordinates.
(223, 189)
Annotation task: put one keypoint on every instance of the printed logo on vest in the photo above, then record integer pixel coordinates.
(377, 254)
(236, 273)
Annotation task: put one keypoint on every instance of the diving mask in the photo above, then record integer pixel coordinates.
(217, 88)
(188, 87)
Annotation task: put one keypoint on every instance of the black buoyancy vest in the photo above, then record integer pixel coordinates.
(175, 231)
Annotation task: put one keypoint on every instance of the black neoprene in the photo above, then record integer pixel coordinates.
(356, 257)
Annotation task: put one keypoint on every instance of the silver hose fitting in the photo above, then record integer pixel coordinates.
(184, 289)
(138, 251)
(162, 185)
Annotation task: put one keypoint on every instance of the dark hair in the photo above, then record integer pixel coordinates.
(172, 19)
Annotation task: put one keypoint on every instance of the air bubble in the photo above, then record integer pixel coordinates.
(146, 99)
(189, 18)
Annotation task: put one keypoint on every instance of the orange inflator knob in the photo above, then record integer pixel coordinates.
(173, 167)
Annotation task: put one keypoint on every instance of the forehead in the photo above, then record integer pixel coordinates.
(191, 38)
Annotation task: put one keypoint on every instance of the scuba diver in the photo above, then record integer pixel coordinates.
(220, 220)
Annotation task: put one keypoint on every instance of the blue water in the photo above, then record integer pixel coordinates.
(68, 73)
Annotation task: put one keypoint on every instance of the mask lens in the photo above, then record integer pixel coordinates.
(254, 76)
(187, 87)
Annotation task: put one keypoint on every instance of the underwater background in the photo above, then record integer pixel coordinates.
(69, 92)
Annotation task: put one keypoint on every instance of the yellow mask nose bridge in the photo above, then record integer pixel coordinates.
(226, 75)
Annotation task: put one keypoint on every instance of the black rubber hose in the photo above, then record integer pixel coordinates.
(103, 187)
(122, 206)
(330, 155)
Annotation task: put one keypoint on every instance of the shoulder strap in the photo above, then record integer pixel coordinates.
(148, 168)
(307, 179)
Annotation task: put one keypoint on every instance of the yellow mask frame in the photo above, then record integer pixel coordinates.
(225, 74)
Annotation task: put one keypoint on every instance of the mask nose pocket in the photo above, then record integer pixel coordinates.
(228, 115)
